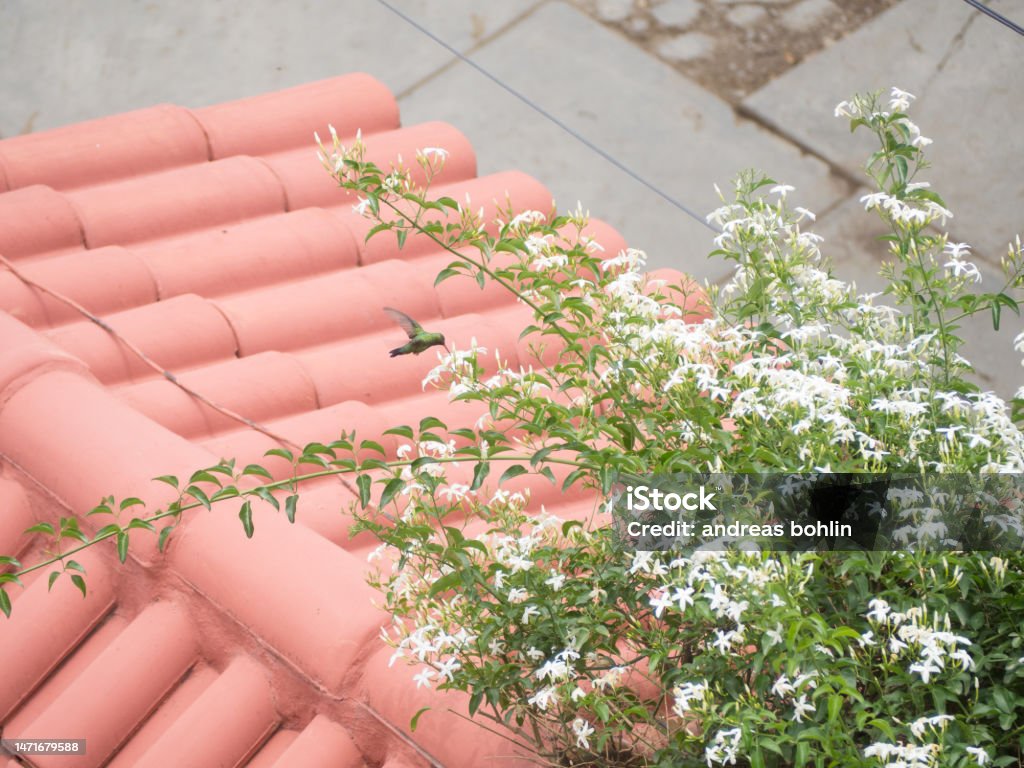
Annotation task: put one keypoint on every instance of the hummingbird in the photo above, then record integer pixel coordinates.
(419, 340)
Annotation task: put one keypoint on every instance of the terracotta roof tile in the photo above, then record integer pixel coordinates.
(252, 254)
(97, 151)
(199, 678)
(322, 744)
(213, 240)
(174, 202)
(286, 119)
(131, 675)
(37, 220)
(181, 332)
(225, 724)
(38, 644)
(242, 576)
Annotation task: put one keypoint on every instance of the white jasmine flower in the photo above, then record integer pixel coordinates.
(583, 731)
(684, 597)
(686, 693)
(556, 580)
(723, 640)
(783, 687)
(980, 755)
(925, 670)
(448, 666)
(544, 698)
(801, 708)
(879, 610)
(725, 747)
(937, 721)
(423, 678)
(846, 109)
(660, 603)
(532, 610)
(900, 101)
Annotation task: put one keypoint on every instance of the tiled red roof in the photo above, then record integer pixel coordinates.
(213, 240)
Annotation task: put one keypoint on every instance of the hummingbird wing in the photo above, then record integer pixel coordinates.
(410, 326)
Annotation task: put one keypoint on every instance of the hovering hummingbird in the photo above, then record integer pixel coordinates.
(419, 340)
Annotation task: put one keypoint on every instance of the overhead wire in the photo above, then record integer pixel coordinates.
(545, 113)
(996, 15)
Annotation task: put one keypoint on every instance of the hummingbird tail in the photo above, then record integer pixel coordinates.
(395, 352)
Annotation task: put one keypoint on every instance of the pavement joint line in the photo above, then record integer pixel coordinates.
(956, 44)
(476, 46)
(835, 168)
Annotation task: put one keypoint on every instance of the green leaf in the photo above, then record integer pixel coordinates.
(107, 531)
(573, 476)
(256, 469)
(264, 493)
(69, 529)
(446, 582)
(228, 492)
(12, 561)
(363, 482)
(138, 522)
(431, 422)
(378, 228)
(41, 528)
(79, 582)
(245, 515)
(282, 453)
(480, 473)
(475, 700)
(402, 234)
(393, 487)
(416, 719)
(203, 476)
(53, 578)
(122, 546)
(901, 167)
(401, 431)
(75, 566)
(199, 495)
(5, 603)
(165, 533)
(514, 471)
(131, 501)
(170, 480)
(372, 445)
(289, 507)
(443, 275)
(542, 454)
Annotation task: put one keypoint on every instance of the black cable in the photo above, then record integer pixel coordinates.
(994, 15)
